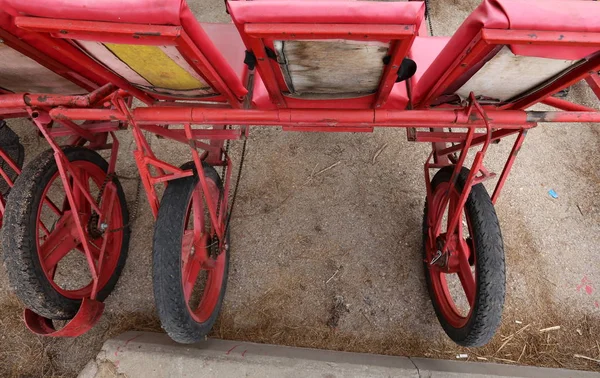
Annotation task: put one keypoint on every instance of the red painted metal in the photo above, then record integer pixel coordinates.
(358, 32)
(75, 181)
(72, 53)
(53, 246)
(455, 76)
(199, 62)
(86, 30)
(573, 76)
(100, 128)
(47, 61)
(594, 82)
(267, 72)
(489, 40)
(566, 105)
(106, 110)
(212, 207)
(510, 119)
(133, 34)
(49, 100)
(12, 113)
(399, 50)
(508, 165)
(540, 37)
(11, 163)
(196, 252)
(2, 207)
(402, 37)
(496, 135)
(87, 316)
(80, 131)
(453, 221)
(458, 253)
(329, 129)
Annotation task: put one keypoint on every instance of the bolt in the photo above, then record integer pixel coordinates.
(103, 226)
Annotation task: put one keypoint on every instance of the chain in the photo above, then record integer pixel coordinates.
(233, 197)
(136, 205)
(214, 246)
(223, 173)
(237, 185)
(428, 16)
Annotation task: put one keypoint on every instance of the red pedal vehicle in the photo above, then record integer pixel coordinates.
(75, 69)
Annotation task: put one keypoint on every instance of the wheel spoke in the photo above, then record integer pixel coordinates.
(198, 214)
(80, 201)
(58, 245)
(52, 206)
(194, 262)
(94, 249)
(59, 242)
(209, 264)
(438, 217)
(44, 228)
(464, 272)
(191, 270)
(212, 289)
(188, 241)
(451, 211)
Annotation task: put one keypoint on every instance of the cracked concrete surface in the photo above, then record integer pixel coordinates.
(151, 355)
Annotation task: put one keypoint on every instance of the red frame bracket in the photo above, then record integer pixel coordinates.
(257, 36)
(154, 35)
(489, 40)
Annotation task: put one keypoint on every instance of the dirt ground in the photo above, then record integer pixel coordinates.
(351, 235)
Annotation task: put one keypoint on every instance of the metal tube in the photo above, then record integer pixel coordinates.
(566, 105)
(49, 100)
(509, 119)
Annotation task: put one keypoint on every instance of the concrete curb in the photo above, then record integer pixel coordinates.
(144, 354)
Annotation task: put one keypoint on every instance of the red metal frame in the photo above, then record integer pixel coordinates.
(259, 35)
(108, 109)
(489, 40)
(155, 35)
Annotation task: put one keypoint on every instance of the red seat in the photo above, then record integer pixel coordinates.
(282, 14)
(154, 12)
(535, 15)
(227, 39)
(34, 65)
(424, 51)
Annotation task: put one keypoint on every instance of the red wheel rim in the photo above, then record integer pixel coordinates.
(202, 274)
(57, 236)
(457, 264)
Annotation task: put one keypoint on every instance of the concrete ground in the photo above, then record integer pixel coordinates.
(149, 355)
(353, 232)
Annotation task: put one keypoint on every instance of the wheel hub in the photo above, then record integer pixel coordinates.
(446, 259)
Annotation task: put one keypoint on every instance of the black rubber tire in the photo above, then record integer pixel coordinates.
(19, 232)
(171, 305)
(490, 268)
